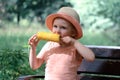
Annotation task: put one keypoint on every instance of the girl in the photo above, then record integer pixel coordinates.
(64, 57)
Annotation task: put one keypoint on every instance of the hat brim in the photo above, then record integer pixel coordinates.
(75, 23)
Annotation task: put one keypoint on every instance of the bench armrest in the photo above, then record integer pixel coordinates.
(28, 77)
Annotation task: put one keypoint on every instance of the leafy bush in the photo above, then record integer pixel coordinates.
(13, 63)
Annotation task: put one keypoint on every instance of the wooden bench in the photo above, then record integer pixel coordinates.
(105, 67)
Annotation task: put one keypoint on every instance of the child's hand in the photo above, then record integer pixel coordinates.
(33, 41)
(68, 40)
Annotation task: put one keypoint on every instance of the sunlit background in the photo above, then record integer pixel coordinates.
(20, 19)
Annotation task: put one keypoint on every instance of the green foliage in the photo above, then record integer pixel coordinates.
(14, 60)
(14, 63)
(31, 9)
(110, 9)
(100, 16)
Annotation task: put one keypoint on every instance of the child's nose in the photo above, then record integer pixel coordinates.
(58, 30)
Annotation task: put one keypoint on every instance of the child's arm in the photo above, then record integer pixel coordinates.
(33, 60)
(85, 52)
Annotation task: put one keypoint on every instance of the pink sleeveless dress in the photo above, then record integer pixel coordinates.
(61, 62)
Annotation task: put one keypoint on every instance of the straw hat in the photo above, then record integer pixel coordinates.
(68, 14)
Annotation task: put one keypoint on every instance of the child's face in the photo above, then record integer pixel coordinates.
(63, 28)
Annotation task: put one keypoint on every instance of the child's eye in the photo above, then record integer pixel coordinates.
(55, 26)
(63, 27)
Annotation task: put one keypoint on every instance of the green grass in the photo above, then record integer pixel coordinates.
(16, 37)
(97, 38)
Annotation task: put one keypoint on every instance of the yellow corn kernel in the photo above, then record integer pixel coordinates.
(48, 36)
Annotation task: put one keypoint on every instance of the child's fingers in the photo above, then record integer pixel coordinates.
(65, 40)
(68, 40)
(32, 40)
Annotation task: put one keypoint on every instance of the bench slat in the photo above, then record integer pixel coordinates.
(98, 78)
(29, 77)
(107, 61)
(106, 53)
(100, 66)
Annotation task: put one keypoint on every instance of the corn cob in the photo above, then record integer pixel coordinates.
(48, 36)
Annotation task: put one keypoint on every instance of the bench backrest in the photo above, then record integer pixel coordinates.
(106, 65)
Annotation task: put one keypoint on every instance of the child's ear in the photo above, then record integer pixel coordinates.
(74, 33)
